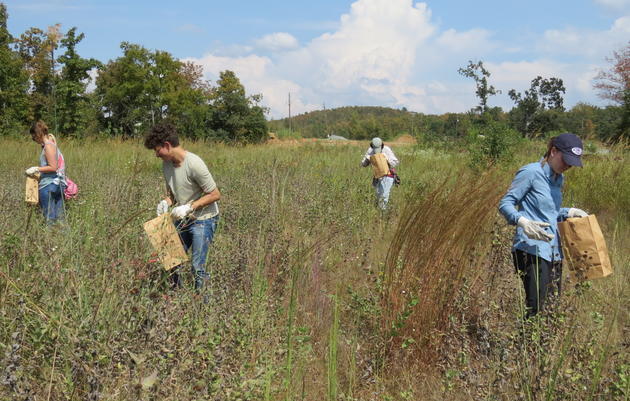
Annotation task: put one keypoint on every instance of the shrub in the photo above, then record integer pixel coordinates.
(492, 143)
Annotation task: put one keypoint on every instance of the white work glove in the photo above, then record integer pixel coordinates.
(32, 171)
(535, 229)
(180, 212)
(575, 212)
(162, 207)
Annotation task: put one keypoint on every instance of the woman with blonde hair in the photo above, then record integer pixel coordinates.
(51, 172)
(533, 204)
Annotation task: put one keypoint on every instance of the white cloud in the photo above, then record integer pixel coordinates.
(614, 4)
(522, 72)
(577, 78)
(391, 53)
(621, 27)
(255, 73)
(584, 80)
(476, 40)
(252, 66)
(277, 41)
(376, 44)
(369, 58)
(586, 43)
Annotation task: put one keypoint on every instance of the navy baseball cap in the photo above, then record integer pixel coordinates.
(571, 147)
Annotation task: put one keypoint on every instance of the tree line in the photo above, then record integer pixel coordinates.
(42, 76)
(537, 111)
(364, 122)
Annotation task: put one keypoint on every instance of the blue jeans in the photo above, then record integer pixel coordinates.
(383, 185)
(51, 202)
(198, 235)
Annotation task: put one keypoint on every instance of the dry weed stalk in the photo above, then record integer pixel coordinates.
(440, 242)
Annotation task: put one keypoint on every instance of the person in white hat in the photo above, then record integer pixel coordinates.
(383, 184)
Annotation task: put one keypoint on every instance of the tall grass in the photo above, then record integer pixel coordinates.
(441, 241)
(333, 349)
(307, 282)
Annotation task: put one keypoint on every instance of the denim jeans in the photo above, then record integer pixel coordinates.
(383, 185)
(51, 202)
(196, 235)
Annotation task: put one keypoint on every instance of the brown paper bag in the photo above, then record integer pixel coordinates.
(379, 165)
(584, 248)
(163, 236)
(31, 194)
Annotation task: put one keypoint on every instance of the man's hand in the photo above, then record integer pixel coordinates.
(575, 212)
(32, 171)
(535, 229)
(182, 211)
(162, 207)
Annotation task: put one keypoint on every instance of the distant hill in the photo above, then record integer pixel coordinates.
(353, 122)
(365, 122)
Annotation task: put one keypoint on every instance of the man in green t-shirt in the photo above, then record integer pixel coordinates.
(194, 193)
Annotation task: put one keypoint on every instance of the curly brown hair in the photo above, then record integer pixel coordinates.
(159, 134)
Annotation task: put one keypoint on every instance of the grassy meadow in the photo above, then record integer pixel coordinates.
(315, 295)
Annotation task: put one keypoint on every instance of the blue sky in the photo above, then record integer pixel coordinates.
(394, 53)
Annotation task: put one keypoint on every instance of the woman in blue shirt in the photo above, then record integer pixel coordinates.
(533, 204)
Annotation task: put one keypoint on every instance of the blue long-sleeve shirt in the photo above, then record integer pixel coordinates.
(537, 192)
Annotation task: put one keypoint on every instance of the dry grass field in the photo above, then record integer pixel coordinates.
(315, 294)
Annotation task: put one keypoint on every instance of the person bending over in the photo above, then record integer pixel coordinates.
(533, 203)
(192, 192)
(384, 177)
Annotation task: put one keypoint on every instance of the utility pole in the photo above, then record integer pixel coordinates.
(290, 129)
(327, 133)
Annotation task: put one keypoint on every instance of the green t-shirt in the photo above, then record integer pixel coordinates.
(189, 182)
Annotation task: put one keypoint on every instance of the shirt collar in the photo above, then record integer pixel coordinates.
(549, 173)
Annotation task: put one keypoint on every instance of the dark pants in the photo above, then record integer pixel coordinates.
(541, 279)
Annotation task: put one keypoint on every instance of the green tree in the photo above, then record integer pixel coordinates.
(607, 121)
(188, 101)
(13, 81)
(581, 120)
(530, 116)
(480, 75)
(122, 91)
(235, 116)
(71, 97)
(37, 50)
(143, 87)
